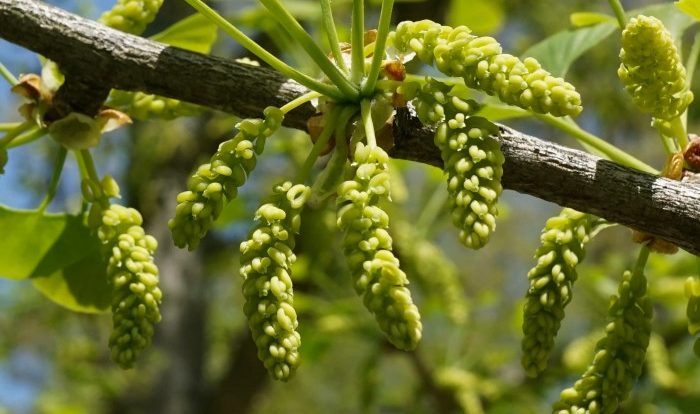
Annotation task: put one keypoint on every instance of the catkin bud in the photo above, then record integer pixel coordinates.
(144, 106)
(375, 270)
(134, 278)
(266, 262)
(551, 282)
(692, 291)
(227, 170)
(480, 61)
(651, 69)
(619, 357)
(131, 16)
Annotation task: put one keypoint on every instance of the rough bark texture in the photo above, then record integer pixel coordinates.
(97, 54)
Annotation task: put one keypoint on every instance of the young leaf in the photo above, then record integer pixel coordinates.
(690, 7)
(195, 33)
(582, 19)
(81, 286)
(499, 112)
(35, 244)
(482, 16)
(557, 52)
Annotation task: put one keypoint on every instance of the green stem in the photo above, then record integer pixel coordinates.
(619, 13)
(8, 126)
(610, 151)
(679, 132)
(89, 172)
(668, 143)
(332, 33)
(329, 127)
(263, 54)
(690, 65)
(357, 39)
(31, 136)
(14, 133)
(299, 101)
(292, 26)
(379, 45)
(55, 178)
(366, 111)
(9, 77)
(641, 261)
(431, 211)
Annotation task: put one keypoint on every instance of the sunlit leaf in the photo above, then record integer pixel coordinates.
(482, 16)
(195, 33)
(690, 7)
(557, 52)
(59, 254)
(582, 19)
(498, 112)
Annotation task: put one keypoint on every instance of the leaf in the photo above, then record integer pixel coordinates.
(557, 52)
(690, 7)
(498, 112)
(81, 286)
(482, 16)
(195, 33)
(59, 253)
(582, 19)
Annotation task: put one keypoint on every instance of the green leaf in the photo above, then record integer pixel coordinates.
(690, 7)
(195, 33)
(582, 19)
(557, 52)
(482, 16)
(60, 255)
(81, 286)
(498, 112)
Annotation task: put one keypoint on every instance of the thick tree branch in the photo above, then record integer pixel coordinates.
(97, 54)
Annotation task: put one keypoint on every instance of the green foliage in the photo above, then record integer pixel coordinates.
(227, 170)
(194, 33)
(619, 357)
(368, 248)
(690, 7)
(266, 262)
(651, 69)
(551, 284)
(692, 291)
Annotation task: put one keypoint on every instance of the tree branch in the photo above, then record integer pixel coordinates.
(99, 55)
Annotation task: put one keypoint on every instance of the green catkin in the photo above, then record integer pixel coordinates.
(483, 66)
(227, 170)
(144, 106)
(131, 16)
(651, 69)
(266, 262)
(619, 357)
(435, 272)
(551, 282)
(692, 291)
(375, 270)
(472, 160)
(134, 277)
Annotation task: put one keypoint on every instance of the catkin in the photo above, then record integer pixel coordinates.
(143, 106)
(651, 69)
(131, 16)
(551, 281)
(692, 291)
(472, 159)
(619, 357)
(134, 277)
(227, 170)
(375, 270)
(266, 262)
(483, 66)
